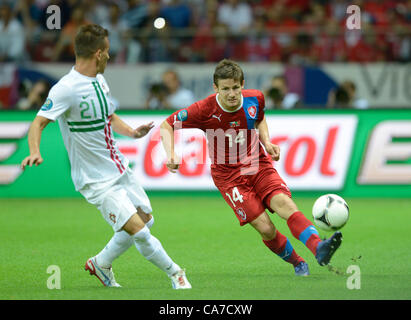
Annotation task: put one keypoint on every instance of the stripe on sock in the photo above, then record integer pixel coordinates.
(288, 250)
(306, 234)
(283, 248)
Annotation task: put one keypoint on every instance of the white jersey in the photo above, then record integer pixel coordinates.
(83, 107)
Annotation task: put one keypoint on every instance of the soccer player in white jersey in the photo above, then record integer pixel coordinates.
(82, 104)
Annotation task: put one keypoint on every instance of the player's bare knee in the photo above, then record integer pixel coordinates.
(267, 231)
(283, 205)
(268, 234)
(133, 225)
(147, 218)
(144, 216)
(264, 226)
(287, 212)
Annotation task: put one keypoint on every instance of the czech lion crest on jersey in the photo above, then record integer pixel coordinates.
(241, 213)
(252, 111)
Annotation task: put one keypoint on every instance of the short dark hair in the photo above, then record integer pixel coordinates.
(89, 39)
(228, 69)
(342, 98)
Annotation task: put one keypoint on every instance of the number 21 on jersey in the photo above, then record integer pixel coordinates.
(236, 196)
(85, 113)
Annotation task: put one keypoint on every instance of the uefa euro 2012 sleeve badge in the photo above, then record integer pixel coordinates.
(48, 104)
(182, 115)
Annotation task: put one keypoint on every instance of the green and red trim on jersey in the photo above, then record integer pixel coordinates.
(110, 146)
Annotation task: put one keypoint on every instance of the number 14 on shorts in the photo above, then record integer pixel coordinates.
(236, 196)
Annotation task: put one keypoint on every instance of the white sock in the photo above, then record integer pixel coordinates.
(151, 248)
(117, 245)
(150, 223)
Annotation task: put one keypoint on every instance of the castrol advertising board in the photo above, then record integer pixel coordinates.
(315, 153)
(354, 153)
(315, 150)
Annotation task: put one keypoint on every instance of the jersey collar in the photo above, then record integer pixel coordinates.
(82, 75)
(225, 110)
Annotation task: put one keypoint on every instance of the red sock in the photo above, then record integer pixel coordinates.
(303, 230)
(282, 247)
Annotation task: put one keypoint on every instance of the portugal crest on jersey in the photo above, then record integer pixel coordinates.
(112, 217)
(252, 111)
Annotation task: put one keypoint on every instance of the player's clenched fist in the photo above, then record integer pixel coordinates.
(173, 164)
(32, 159)
(274, 151)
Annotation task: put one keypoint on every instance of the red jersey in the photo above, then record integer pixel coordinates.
(233, 142)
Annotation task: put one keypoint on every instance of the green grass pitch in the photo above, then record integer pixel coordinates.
(222, 259)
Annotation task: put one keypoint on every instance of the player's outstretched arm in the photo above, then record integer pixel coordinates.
(120, 127)
(272, 149)
(167, 140)
(34, 137)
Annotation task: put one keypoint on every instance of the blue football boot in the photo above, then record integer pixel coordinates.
(326, 248)
(301, 269)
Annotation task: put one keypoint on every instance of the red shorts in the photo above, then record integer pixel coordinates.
(250, 195)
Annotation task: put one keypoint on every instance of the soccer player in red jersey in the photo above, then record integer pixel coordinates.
(241, 169)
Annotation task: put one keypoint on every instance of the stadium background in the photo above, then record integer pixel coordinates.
(339, 107)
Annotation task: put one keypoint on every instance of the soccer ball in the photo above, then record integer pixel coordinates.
(330, 212)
